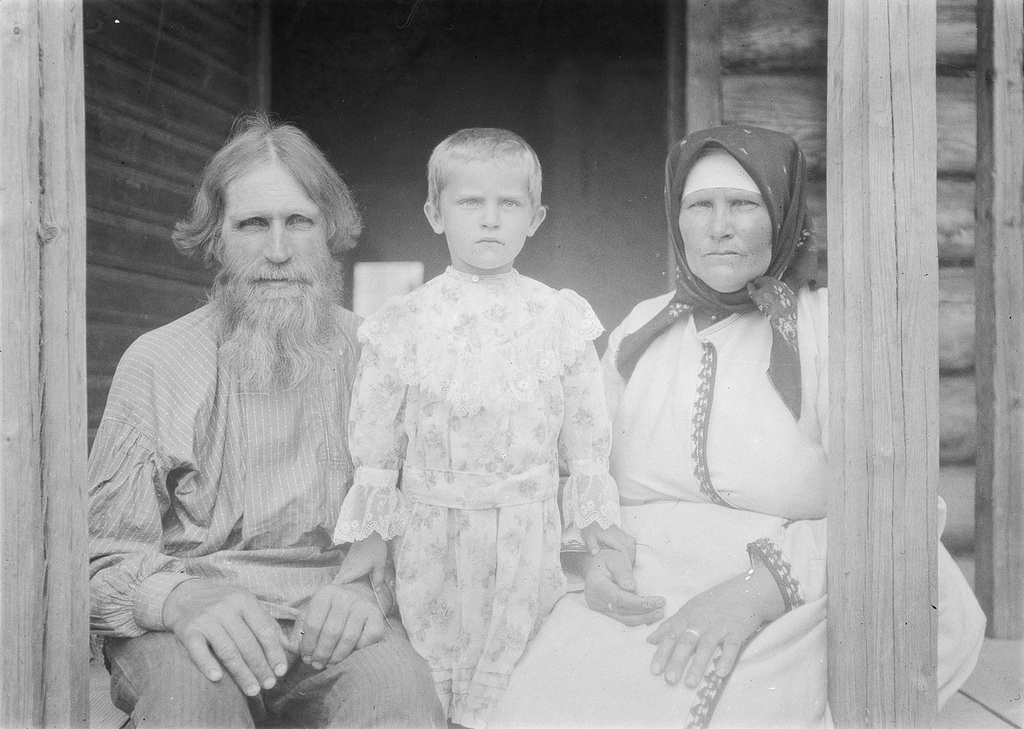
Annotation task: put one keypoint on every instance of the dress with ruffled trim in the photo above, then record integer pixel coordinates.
(470, 392)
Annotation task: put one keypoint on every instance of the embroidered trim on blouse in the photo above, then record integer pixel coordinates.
(701, 418)
(781, 570)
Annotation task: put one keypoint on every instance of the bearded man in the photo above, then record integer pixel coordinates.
(218, 470)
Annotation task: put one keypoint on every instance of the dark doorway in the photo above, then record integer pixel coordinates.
(379, 82)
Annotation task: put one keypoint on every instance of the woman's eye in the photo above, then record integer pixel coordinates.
(747, 204)
(698, 204)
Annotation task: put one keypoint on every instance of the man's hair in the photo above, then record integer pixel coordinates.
(481, 144)
(256, 140)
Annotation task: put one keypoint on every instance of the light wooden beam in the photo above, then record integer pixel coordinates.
(694, 60)
(883, 362)
(43, 598)
(999, 318)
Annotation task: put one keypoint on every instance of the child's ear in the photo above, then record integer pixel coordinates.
(433, 217)
(538, 217)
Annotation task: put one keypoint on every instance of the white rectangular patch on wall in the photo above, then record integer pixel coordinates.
(374, 282)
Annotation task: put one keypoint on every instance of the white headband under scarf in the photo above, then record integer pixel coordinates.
(718, 168)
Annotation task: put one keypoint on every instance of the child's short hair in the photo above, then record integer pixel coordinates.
(480, 144)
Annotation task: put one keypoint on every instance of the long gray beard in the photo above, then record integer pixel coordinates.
(277, 341)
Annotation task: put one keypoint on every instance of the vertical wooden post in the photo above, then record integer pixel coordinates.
(883, 362)
(999, 318)
(43, 598)
(694, 60)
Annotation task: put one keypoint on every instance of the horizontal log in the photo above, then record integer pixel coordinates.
(116, 241)
(132, 193)
(958, 419)
(795, 104)
(955, 219)
(791, 104)
(183, 20)
(127, 90)
(956, 319)
(137, 42)
(142, 146)
(792, 35)
(137, 301)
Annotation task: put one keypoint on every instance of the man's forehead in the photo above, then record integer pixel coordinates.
(266, 187)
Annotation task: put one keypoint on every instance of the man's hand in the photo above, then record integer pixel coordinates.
(226, 626)
(340, 618)
(611, 589)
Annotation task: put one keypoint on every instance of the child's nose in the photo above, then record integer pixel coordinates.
(490, 215)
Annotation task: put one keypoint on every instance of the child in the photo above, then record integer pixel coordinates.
(471, 386)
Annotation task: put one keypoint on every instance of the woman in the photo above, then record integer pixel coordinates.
(719, 399)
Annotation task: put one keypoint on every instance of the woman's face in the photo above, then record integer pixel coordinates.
(727, 236)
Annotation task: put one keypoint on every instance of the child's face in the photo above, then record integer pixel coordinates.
(485, 212)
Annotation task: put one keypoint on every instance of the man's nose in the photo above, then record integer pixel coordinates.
(278, 248)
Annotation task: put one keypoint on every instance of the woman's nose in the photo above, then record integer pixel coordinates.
(721, 221)
(277, 248)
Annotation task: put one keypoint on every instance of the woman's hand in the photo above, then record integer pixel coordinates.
(612, 538)
(611, 589)
(725, 616)
(366, 557)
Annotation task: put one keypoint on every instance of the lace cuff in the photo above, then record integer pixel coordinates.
(590, 498)
(373, 504)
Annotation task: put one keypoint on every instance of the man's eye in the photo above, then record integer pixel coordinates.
(300, 221)
(469, 202)
(250, 223)
(509, 204)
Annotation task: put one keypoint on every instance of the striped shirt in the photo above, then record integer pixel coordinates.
(190, 477)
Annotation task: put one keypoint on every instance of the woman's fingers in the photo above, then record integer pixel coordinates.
(703, 653)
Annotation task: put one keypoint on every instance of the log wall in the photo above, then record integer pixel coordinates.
(163, 82)
(773, 75)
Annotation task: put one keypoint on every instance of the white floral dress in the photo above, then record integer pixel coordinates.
(468, 391)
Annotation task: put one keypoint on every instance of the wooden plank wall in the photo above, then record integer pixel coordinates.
(163, 82)
(43, 593)
(774, 56)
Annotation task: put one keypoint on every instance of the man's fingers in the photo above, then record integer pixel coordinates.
(199, 651)
(373, 631)
(271, 640)
(249, 649)
(227, 652)
(339, 636)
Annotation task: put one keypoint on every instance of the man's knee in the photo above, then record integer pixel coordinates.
(386, 684)
(154, 680)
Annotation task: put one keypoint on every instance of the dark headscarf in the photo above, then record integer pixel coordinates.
(776, 164)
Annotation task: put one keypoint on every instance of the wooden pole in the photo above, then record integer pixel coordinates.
(694, 60)
(883, 363)
(999, 318)
(43, 594)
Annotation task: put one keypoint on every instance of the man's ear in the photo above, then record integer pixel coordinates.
(538, 217)
(433, 217)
